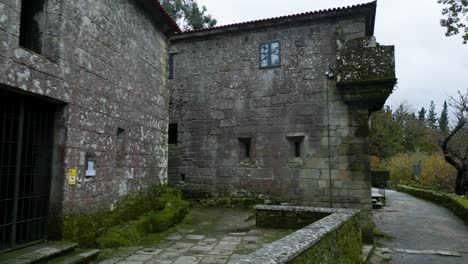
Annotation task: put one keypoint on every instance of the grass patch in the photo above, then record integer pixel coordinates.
(151, 211)
(461, 200)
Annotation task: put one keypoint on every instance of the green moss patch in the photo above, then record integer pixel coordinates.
(342, 245)
(137, 215)
(458, 205)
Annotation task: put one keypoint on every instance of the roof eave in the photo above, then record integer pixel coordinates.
(368, 9)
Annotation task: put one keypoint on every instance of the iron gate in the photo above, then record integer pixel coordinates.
(25, 160)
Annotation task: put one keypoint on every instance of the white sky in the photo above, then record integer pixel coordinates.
(429, 65)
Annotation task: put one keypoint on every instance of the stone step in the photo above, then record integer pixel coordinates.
(84, 256)
(377, 195)
(377, 205)
(38, 253)
(366, 252)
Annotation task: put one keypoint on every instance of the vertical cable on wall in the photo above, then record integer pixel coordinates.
(329, 76)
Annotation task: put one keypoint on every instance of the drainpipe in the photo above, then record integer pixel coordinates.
(330, 74)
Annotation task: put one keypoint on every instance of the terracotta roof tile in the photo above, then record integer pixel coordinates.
(168, 18)
(330, 11)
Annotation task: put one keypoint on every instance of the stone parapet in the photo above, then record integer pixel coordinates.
(335, 238)
(365, 71)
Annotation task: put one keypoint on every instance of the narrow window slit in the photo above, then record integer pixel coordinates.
(173, 133)
(32, 24)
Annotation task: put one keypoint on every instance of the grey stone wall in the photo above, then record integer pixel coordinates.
(105, 62)
(219, 95)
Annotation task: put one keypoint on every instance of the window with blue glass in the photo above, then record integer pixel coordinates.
(270, 54)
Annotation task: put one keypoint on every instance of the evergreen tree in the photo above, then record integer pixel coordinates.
(443, 120)
(432, 116)
(422, 115)
(399, 131)
(188, 14)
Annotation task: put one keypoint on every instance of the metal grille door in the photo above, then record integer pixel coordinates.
(25, 160)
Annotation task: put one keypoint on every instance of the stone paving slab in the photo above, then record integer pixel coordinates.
(199, 244)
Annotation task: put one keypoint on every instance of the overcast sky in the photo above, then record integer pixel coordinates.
(429, 65)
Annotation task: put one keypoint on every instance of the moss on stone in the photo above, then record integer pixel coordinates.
(342, 245)
(229, 202)
(149, 211)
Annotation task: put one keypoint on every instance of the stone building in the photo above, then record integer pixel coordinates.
(83, 89)
(254, 111)
(87, 89)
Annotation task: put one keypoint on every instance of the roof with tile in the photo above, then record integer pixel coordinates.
(368, 8)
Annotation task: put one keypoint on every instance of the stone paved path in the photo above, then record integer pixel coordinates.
(221, 236)
(421, 229)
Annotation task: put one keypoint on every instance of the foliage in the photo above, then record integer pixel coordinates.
(87, 229)
(435, 171)
(188, 14)
(458, 156)
(152, 222)
(375, 163)
(400, 131)
(432, 116)
(455, 18)
(401, 168)
(444, 120)
(379, 178)
(422, 115)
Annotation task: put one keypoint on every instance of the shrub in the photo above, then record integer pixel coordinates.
(158, 206)
(401, 169)
(436, 173)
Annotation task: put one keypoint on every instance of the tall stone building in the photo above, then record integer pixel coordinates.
(279, 107)
(84, 108)
(87, 89)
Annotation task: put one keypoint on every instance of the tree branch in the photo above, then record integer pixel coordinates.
(447, 155)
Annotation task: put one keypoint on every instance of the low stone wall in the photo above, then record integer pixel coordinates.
(440, 198)
(335, 238)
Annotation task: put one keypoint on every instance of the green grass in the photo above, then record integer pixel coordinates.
(147, 212)
(461, 200)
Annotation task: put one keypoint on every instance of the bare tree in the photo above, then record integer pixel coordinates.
(456, 153)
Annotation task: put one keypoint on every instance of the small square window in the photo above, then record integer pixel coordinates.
(296, 145)
(270, 54)
(245, 148)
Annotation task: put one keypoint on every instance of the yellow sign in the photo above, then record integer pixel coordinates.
(71, 176)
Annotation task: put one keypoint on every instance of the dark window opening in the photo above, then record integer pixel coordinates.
(171, 65)
(32, 24)
(173, 132)
(297, 149)
(270, 54)
(245, 148)
(296, 146)
(120, 147)
(182, 177)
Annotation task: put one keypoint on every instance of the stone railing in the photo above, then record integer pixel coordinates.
(331, 236)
